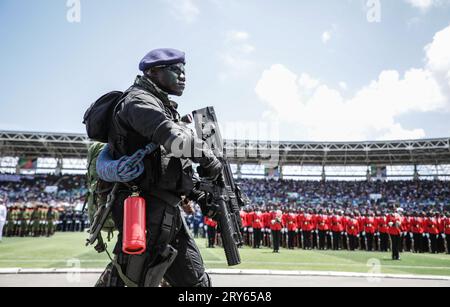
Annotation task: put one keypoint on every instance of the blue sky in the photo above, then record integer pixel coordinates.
(293, 70)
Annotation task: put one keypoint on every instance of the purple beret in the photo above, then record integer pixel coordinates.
(162, 57)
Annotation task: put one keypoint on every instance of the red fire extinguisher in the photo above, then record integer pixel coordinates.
(134, 227)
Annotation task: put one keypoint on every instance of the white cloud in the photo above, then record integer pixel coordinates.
(422, 4)
(236, 54)
(343, 85)
(329, 34)
(185, 10)
(325, 115)
(307, 82)
(438, 52)
(425, 5)
(237, 36)
(438, 59)
(326, 36)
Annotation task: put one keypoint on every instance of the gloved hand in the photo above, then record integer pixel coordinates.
(211, 170)
(209, 209)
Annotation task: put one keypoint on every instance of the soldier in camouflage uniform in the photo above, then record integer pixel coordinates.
(15, 221)
(10, 221)
(51, 215)
(35, 220)
(43, 220)
(22, 225)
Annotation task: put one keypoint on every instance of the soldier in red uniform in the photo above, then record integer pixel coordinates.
(323, 226)
(211, 230)
(362, 236)
(441, 240)
(395, 231)
(352, 229)
(300, 237)
(291, 225)
(307, 227)
(266, 218)
(244, 214)
(329, 233)
(337, 227)
(417, 230)
(345, 241)
(446, 224)
(314, 231)
(383, 230)
(406, 228)
(432, 229)
(275, 227)
(257, 225)
(370, 228)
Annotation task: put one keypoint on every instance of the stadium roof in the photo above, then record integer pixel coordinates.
(419, 152)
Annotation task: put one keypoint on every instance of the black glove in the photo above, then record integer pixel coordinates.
(208, 208)
(210, 171)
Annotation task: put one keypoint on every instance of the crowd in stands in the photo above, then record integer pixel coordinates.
(410, 195)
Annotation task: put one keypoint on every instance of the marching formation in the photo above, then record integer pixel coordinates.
(41, 220)
(31, 221)
(327, 229)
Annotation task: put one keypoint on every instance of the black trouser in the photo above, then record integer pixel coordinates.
(300, 239)
(211, 236)
(352, 242)
(269, 237)
(426, 243)
(345, 242)
(336, 240)
(369, 238)
(362, 242)
(434, 243)
(441, 244)
(447, 238)
(257, 237)
(384, 242)
(418, 242)
(187, 270)
(291, 239)
(196, 228)
(408, 242)
(322, 239)
(315, 239)
(276, 235)
(329, 237)
(395, 241)
(307, 239)
(376, 240)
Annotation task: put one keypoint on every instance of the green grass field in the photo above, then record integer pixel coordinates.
(56, 252)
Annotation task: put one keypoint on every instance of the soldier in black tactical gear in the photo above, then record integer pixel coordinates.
(145, 115)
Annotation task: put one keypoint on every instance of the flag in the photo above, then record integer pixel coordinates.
(27, 163)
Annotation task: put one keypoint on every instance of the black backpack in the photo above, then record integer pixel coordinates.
(99, 115)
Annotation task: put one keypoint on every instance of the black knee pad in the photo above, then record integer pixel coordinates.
(205, 281)
(105, 278)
